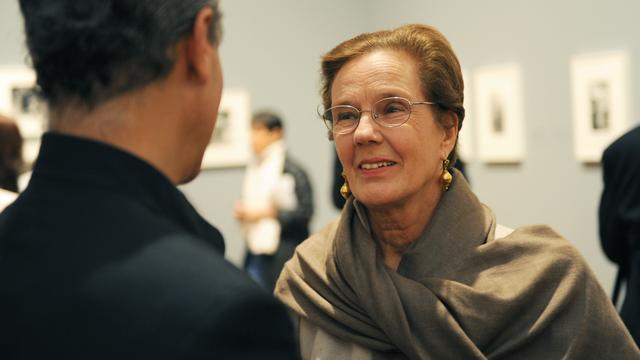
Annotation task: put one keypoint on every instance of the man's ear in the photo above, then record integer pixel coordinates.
(199, 54)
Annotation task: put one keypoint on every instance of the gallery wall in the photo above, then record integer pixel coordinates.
(11, 39)
(272, 50)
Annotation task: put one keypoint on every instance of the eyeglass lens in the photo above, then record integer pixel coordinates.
(387, 112)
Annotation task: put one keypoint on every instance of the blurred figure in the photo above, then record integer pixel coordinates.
(461, 166)
(102, 257)
(619, 215)
(10, 160)
(277, 202)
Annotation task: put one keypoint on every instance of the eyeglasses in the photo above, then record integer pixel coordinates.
(388, 112)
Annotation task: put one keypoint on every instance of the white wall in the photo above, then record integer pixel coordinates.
(12, 48)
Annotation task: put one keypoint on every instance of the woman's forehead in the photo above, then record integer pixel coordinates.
(379, 73)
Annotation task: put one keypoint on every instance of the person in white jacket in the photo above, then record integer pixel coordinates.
(276, 204)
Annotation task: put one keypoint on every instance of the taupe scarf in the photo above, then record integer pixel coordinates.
(457, 293)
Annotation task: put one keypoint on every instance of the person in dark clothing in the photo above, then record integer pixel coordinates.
(294, 222)
(619, 218)
(102, 257)
(277, 201)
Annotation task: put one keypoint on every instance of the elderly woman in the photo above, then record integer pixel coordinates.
(416, 266)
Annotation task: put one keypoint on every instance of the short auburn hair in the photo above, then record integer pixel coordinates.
(439, 69)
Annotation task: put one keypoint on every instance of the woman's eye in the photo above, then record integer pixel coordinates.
(347, 116)
(394, 108)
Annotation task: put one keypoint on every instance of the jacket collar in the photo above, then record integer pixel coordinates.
(90, 163)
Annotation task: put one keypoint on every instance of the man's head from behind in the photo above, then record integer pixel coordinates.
(88, 51)
(266, 128)
(154, 60)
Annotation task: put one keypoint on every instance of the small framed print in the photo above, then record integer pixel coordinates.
(20, 101)
(499, 113)
(600, 94)
(229, 145)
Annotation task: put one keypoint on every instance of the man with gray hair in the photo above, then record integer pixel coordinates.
(102, 256)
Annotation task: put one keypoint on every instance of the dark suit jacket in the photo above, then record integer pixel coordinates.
(620, 220)
(102, 257)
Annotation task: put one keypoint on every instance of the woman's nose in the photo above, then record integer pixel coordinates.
(367, 129)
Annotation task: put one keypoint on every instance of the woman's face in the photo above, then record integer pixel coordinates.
(389, 166)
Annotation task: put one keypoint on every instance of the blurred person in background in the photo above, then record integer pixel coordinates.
(277, 201)
(619, 216)
(101, 256)
(10, 160)
(416, 266)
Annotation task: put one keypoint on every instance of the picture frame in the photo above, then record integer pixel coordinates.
(229, 145)
(499, 113)
(20, 101)
(600, 100)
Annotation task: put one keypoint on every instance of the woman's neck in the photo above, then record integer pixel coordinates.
(396, 228)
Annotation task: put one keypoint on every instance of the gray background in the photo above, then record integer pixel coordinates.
(272, 49)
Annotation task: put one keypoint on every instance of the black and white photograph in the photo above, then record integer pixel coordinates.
(600, 92)
(20, 101)
(222, 134)
(26, 101)
(499, 113)
(599, 99)
(229, 144)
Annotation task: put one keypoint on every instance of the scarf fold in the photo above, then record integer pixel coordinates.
(457, 293)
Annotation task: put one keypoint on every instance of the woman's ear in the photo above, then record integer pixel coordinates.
(450, 128)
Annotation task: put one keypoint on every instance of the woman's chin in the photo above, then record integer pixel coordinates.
(373, 198)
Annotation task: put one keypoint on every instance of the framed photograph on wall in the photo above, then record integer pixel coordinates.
(229, 145)
(499, 113)
(18, 100)
(600, 94)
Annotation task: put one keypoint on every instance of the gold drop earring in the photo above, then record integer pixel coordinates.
(344, 189)
(446, 175)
